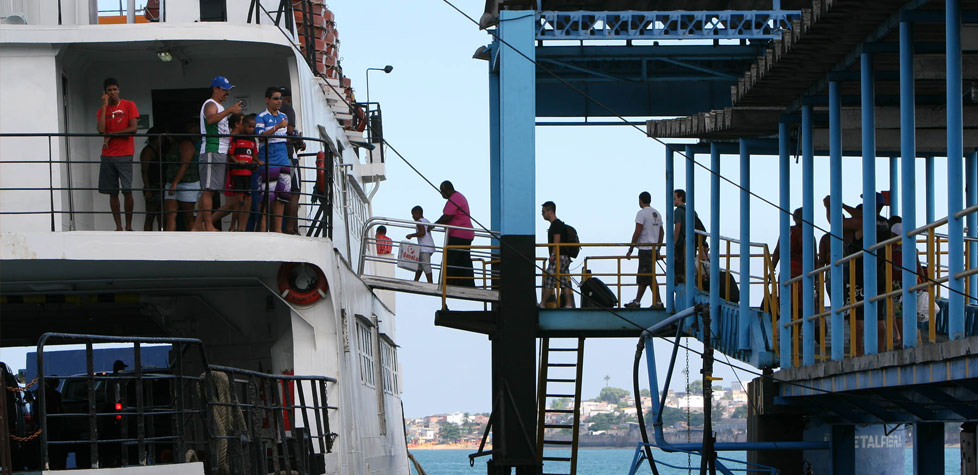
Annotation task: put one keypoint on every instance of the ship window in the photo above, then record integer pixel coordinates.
(388, 360)
(366, 351)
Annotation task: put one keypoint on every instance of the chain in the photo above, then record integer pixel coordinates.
(15, 389)
(28, 438)
(689, 457)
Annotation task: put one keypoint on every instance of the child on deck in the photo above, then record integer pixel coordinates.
(426, 242)
(242, 159)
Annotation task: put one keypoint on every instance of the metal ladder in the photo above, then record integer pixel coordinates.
(559, 386)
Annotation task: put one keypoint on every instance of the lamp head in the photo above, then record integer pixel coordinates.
(388, 69)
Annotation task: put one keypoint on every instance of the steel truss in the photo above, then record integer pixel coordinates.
(628, 25)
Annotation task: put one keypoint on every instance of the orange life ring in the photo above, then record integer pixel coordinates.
(301, 283)
(361, 122)
(321, 172)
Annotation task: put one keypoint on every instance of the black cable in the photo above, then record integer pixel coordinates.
(639, 348)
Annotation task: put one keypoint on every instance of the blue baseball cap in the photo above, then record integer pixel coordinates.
(222, 82)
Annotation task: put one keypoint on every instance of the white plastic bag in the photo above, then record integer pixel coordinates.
(923, 306)
(407, 255)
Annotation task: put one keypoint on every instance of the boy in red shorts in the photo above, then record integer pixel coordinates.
(242, 158)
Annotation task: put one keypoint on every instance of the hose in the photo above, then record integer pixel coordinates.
(638, 404)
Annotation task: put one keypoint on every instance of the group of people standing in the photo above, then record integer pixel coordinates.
(250, 158)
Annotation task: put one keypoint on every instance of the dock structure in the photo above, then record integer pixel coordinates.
(878, 329)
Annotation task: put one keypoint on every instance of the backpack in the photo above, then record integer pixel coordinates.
(572, 251)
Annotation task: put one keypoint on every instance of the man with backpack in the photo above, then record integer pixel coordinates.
(558, 233)
(679, 234)
(648, 234)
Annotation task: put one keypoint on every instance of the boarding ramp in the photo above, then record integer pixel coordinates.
(388, 266)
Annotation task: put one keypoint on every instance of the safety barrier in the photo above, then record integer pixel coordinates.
(235, 420)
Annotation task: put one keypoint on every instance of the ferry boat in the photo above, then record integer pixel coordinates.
(282, 358)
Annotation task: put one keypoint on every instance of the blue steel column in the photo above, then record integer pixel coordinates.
(843, 449)
(928, 448)
(929, 188)
(835, 212)
(495, 192)
(514, 343)
(868, 96)
(784, 202)
(743, 322)
(670, 241)
(908, 152)
(971, 199)
(955, 244)
(894, 186)
(689, 227)
(807, 236)
(715, 240)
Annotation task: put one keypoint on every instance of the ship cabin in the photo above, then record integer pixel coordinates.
(305, 348)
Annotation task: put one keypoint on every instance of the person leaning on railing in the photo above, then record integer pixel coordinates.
(182, 179)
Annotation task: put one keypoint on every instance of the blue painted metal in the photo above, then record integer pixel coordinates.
(715, 240)
(835, 212)
(928, 448)
(670, 240)
(517, 92)
(495, 185)
(760, 351)
(893, 170)
(807, 236)
(971, 188)
(869, 201)
(573, 322)
(667, 25)
(908, 149)
(929, 188)
(689, 227)
(954, 153)
(743, 327)
(784, 202)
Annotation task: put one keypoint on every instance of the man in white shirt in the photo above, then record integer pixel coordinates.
(647, 236)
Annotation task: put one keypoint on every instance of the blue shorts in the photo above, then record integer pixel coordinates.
(186, 192)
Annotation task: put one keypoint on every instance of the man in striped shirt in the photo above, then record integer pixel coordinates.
(213, 149)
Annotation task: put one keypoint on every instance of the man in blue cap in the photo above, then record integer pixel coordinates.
(213, 149)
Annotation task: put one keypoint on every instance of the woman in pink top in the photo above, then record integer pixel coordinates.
(458, 262)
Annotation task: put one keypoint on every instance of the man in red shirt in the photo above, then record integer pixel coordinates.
(384, 244)
(116, 117)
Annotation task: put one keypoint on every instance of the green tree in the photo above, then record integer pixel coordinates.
(561, 403)
(611, 394)
(645, 393)
(602, 421)
(670, 416)
(740, 412)
(696, 386)
(449, 432)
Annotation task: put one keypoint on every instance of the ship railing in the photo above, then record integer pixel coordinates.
(932, 268)
(397, 254)
(69, 201)
(234, 420)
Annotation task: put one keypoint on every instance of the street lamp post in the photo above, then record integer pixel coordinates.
(386, 69)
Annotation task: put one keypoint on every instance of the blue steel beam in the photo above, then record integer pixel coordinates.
(955, 153)
(908, 152)
(929, 189)
(843, 449)
(835, 212)
(517, 93)
(807, 236)
(668, 25)
(743, 322)
(869, 203)
(971, 188)
(784, 202)
(670, 225)
(715, 241)
(894, 172)
(495, 185)
(689, 229)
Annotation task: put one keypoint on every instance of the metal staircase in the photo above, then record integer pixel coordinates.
(559, 379)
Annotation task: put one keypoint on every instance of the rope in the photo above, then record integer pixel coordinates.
(15, 389)
(29, 438)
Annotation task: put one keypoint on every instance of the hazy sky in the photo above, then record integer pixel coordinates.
(435, 105)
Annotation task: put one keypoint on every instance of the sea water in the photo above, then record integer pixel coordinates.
(614, 461)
